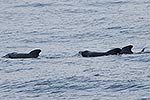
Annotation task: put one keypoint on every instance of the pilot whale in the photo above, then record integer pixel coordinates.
(116, 51)
(32, 54)
(87, 53)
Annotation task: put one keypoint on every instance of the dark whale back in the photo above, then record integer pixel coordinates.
(114, 51)
(87, 53)
(97, 54)
(32, 54)
(127, 50)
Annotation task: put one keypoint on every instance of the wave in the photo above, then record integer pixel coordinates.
(34, 5)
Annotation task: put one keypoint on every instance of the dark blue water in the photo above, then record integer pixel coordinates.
(62, 28)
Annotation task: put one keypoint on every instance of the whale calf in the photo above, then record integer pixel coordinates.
(87, 53)
(32, 54)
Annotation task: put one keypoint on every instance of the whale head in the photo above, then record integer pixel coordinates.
(34, 53)
(85, 53)
(127, 50)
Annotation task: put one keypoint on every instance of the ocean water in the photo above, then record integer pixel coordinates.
(62, 28)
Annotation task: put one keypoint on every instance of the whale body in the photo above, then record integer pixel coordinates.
(32, 54)
(87, 53)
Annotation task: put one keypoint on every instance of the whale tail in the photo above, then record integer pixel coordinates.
(35, 53)
(127, 50)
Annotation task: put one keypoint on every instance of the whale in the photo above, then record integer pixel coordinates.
(116, 51)
(128, 50)
(87, 53)
(32, 54)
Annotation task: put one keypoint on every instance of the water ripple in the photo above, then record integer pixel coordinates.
(72, 83)
(34, 5)
(137, 57)
(84, 11)
(106, 3)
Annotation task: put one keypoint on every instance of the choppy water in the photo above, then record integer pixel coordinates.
(61, 28)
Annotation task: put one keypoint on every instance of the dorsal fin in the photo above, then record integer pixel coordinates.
(35, 53)
(127, 50)
(143, 50)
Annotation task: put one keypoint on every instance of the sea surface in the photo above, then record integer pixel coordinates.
(62, 28)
